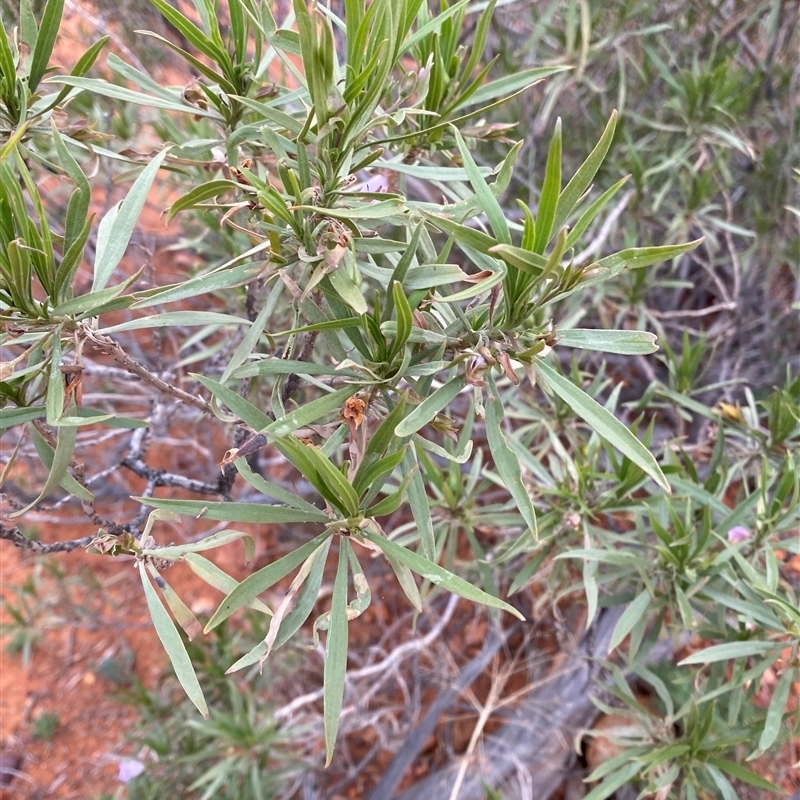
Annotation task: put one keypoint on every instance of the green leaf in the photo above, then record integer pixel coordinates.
(381, 439)
(200, 285)
(270, 489)
(9, 417)
(290, 624)
(182, 613)
(418, 502)
(28, 26)
(604, 423)
(613, 781)
(193, 34)
(505, 460)
(463, 234)
(524, 260)
(551, 188)
(320, 472)
(128, 96)
(438, 575)
(430, 407)
(201, 193)
(253, 416)
(176, 318)
(579, 182)
(263, 579)
(336, 653)
(637, 257)
(170, 638)
(284, 366)
(209, 572)
(348, 287)
(487, 201)
(220, 539)
(510, 84)
(141, 80)
(86, 303)
(405, 321)
(743, 774)
(48, 31)
(625, 343)
(376, 470)
(54, 400)
(433, 25)
(588, 216)
(369, 210)
(310, 412)
(774, 722)
(632, 614)
(46, 454)
(406, 580)
(236, 512)
(723, 652)
(65, 447)
(117, 225)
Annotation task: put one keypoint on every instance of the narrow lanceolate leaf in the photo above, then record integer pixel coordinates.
(551, 189)
(107, 89)
(580, 181)
(117, 226)
(418, 501)
(65, 446)
(743, 774)
(182, 613)
(438, 575)
(430, 407)
(253, 416)
(406, 580)
(171, 639)
(220, 539)
(320, 472)
(199, 195)
(310, 412)
(525, 260)
(174, 318)
(488, 202)
(774, 721)
(46, 454)
(236, 512)
(637, 257)
(632, 614)
(505, 461)
(260, 581)
(300, 612)
(48, 31)
(202, 284)
(723, 652)
(626, 343)
(209, 572)
(336, 653)
(509, 84)
(602, 421)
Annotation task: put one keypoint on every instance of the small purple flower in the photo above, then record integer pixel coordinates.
(738, 534)
(130, 769)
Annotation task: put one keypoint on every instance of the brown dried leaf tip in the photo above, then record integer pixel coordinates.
(353, 411)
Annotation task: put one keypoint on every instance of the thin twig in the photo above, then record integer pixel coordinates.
(109, 347)
(16, 536)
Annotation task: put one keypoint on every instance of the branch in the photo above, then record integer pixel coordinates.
(112, 349)
(16, 536)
